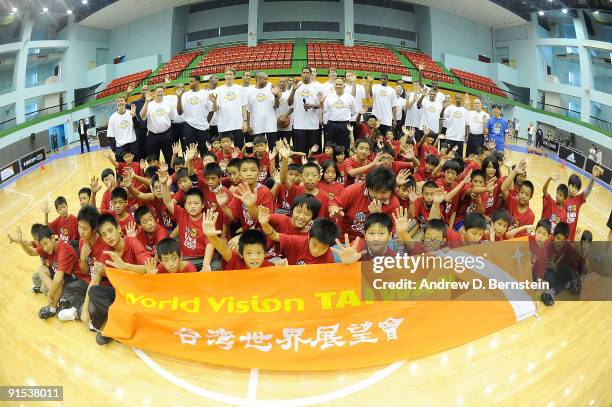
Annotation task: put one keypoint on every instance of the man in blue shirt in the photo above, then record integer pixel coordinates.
(498, 127)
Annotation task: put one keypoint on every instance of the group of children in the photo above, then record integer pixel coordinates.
(259, 206)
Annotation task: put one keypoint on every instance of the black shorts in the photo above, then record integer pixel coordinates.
(610, 220)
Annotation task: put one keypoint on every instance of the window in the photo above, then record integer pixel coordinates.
(330, 26)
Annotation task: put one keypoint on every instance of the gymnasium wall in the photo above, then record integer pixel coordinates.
(218, 17)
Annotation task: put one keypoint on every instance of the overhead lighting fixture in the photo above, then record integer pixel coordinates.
(68, 11)
(596, 12)
(83, 2)
(541, 13)
(14, 10)
(564, 10)
(45, 9)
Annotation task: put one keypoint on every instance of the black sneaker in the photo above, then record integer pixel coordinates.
(45, 313)
(63, 304)
(102, 340)
(575, 285)
(36, 290)
(548, 298)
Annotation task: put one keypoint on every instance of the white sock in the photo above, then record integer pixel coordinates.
(52, 309)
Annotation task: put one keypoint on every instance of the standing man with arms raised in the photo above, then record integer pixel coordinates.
(303, 99)
(384, 102)
(158, 114)
(194, 105)
(477, 119)
(339, 106)
(227, 104)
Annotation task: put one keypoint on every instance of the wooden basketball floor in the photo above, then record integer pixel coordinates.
(561, 358)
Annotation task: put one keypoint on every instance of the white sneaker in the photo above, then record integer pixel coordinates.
(68, 314)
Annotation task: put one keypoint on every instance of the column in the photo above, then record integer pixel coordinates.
(20, 71)
(349, 23)
(252, 30)
(586, 71)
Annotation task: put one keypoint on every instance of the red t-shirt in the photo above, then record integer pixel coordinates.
(150, 241)
(134, 252)
(365, 131)
(367, 256)
(264, 166)
(191, 238)
(64, 259)
(240, 211)
(342, 173)
(448, 208)
(220, 155)
(322, 197)
(572, 204)
(161, 214)
(237, 263)
(96, 253)
(421, 211)
(66, 228)
(518, 218)
(332, 190)
(189, 268)
(467, 204)
(493, 199)
(282, 224)
(321, 158)
(354, 200)
(351, 164)
(295, 249)
(553, 212)
(283, 198)
(539, 256)
(423, 151)
(105, 205)
(135, 166)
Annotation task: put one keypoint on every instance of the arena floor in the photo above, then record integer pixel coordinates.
(562, 357)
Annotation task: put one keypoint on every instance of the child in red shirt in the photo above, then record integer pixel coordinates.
(575, 200)
(518, 207)
(65, 226)
(498, 231)
(538, 249)
(339, 158)
(562, 265)
(327, 154)
(266, 162)
(228, 151)
(331, 182)
(554, 210)
(426, 147)
(119, 199)
(149, 232)
(357, 168)
(169, 256)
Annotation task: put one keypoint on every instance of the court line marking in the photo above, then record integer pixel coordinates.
(238, 401)
(15, 218)
(252, 389)
(29, 196)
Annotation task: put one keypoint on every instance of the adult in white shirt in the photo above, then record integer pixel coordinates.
(246, 86)
(227, 103)
(339, 106)
(477, 120)
(359, 93)
(158, 114)
(284, 112)
(259, 109)
(178, 122)
(400, 107)
(303, 99)
(430, 116)
(326, 89)
(413, 113)
(384, 102)
(121, 128)
(530, 133)
(456, 124)
(194, 105)
(598, 155)
(213, 130)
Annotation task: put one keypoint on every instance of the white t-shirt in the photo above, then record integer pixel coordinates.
(477, 121)
(173, 100)
(399, 108)
(195, 108)
(360, 94)
(431, 115)
(456, 120)
(246, 90)
(229, 103)
(340, 108)
(160, 116)
(260, 103)
(302, 119)
(384, 99)
(440, 98)
(283, 108)
(121, 127)
(326, 89)
(413, 115)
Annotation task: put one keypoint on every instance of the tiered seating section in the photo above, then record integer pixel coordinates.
(121, 84)
(243, 58)
(431, 70)
(174, 67)
(360, 57)
(471, 80)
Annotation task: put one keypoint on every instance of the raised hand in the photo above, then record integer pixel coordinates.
(521, 167)
(235, 153)
(401, 219)
(335, 210)
(276, 91)
(133, 109)
(375, 206)
(191, 153)
(233, 244)
(296, 84)
(369, 78)
(130, 230)
(45, 207)
(408, 131)
(438, 196)
(314, 148)
(491, 184)
(115, 260)
(249, 145)
(321, 98)
(409, 153)
(130, 88)
(176, 148)
(412, 196)
(348, 253)
(94, 184)
(377, 158)
(244, 193)
(179, 91)
(263, 214)
(151, 265)
(162, 173)
(283, 149)
(222, 199)
(167, 78)
(349, 127)
(402, 176)
(223, 164)
(209, 222)
(212, 97)
(149, 96)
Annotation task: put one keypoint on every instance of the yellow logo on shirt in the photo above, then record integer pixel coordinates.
(194, 100)
(383, 93)
(193, 233)
(305, 93)
(124, 124)
(458, 114)
(261, 97)
(431, 109)
(159, 112)
(231, 96)
(340, 104)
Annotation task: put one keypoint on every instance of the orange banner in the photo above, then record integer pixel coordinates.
(289, 318)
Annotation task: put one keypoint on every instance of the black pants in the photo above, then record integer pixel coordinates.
(539, 142)
(284, 135)
(177, 133)
(74, 292)
(113, 145)
(338, 134)
(141, 140)
(474, 142)
(459, 144)
(271, 137)
(193, 135)
(303, 140)
(100, 299)
(83, 139)
(237, 136)
(213, 131)
(133, 147)
(356, 132)
(157, 142)
(559, 278)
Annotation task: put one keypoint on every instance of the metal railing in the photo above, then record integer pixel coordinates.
(8, 123)
(559, 110)
(46, 111)
(601, 123)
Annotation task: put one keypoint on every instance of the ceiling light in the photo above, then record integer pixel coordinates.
(83, 2)
(596, 12)
(564, 10)
(68, 11)
(45, 9)
(14, 9)
(541, 13)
